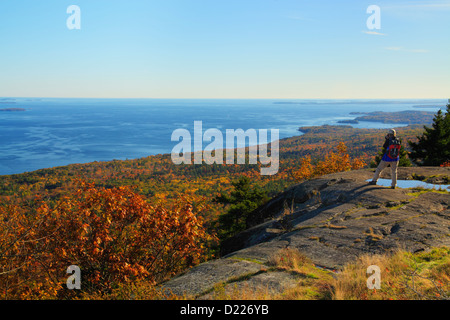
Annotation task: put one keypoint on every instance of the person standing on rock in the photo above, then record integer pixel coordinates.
(391, 158)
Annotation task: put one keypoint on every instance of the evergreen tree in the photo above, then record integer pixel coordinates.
(433, 147)
(242, 200)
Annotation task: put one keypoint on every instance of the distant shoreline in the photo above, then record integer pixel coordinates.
(13, 109)
(406, 117)
(60, 132)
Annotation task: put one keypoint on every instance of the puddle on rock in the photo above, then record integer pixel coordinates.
(406, 184)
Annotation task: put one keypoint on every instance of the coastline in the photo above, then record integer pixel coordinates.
(60, 132)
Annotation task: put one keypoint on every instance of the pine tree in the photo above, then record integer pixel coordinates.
(433, 147)
(242, 200)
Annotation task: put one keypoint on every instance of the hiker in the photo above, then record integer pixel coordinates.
(390, 158)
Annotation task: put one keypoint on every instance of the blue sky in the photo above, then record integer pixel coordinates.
(225, 49)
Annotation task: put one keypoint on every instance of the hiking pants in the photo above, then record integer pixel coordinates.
(383, 164)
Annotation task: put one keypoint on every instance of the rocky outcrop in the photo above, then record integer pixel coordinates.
(332, 220)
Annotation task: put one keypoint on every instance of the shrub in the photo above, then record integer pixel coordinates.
(333, 162)
(114, 235)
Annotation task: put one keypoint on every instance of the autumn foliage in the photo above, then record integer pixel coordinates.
(446, 164)
(114, 235)
(146, 232)
(333, 162)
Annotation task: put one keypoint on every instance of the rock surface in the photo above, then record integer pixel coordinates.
(332, 220)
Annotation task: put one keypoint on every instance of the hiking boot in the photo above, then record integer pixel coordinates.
(372, 183)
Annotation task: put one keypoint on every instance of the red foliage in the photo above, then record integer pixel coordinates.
(446, 164)
(113, 235)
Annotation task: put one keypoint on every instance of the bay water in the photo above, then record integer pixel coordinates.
(55, 131)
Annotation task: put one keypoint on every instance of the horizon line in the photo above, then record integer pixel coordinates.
(150, 98)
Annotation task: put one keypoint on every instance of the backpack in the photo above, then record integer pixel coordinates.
(393, 150)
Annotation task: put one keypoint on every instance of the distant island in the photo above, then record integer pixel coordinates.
(354, 121)
(294, 102)
(354, 113)
(13, 109)
(407, 117)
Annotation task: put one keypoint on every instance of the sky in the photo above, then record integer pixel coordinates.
(236, 49)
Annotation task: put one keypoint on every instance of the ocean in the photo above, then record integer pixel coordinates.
(56, 132)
